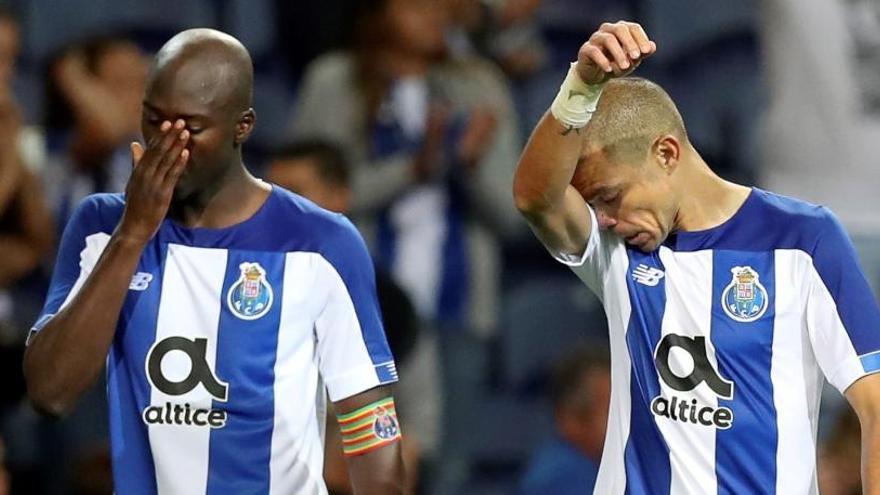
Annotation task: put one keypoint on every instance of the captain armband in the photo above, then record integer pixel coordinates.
(576, 101)
(369, 428)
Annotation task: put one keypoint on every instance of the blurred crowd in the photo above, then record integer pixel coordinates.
(408, 116)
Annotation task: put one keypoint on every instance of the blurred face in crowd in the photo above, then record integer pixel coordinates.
(122, 69)
(302, 176)
(632, 193)
(583, 420)
(416, 25)
(9, 46)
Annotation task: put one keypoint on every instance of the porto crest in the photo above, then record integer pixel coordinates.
(251, 296)
(384, 426)
(744, 299)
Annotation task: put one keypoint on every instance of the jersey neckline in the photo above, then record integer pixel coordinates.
(692, 240)
(208, 230)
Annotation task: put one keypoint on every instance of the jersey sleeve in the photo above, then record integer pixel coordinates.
(352, 349)
(81, 245)
(843, 317)
(591, 265)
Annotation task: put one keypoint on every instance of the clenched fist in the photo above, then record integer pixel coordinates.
(615, 50)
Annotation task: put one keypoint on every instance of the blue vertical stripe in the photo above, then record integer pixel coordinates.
(454, 279)
(745, 453)
(128, 391)
(246, 352)
(646, 455)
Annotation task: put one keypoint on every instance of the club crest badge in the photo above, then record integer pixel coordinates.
(251, 296)
(745, 299)
(384, 426)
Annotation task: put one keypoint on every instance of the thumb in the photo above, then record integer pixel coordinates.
(137, 152)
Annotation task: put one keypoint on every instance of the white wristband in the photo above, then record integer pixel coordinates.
(576, 101)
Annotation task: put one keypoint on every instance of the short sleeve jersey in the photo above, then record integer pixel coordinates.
(720, 343)
(226, 342)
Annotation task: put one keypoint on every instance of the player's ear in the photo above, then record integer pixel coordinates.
(666, 151)
(245, 126)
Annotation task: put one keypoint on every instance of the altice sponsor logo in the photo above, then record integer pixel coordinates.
(691, 410)
(200, 372)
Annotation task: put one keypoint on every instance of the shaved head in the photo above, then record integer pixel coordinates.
(204, 78)
(207, 66)
(631, 114)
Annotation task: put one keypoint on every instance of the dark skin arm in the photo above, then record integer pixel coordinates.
(379, 472)
(66, 356)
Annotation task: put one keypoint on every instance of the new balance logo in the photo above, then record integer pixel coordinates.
(647, 275)
(140, 281)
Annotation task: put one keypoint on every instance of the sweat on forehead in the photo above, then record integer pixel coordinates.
(205, 67)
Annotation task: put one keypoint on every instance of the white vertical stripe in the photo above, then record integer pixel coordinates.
(421, 227)
(88, 258)
(297, 455)
(189, 307)
(612, 469)
(792, 374)
(692, 447)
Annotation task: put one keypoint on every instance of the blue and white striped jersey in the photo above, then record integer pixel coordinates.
(225, 343)
(720, 340)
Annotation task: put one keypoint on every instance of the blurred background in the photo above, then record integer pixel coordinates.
(409, 115)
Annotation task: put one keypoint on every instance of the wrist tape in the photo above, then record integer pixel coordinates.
(576, 101)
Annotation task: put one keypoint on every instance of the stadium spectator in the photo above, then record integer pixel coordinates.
(432, 140)
(567, 464)
(93, 112)
(26, 231)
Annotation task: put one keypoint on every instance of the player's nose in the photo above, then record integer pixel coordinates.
(605, 220)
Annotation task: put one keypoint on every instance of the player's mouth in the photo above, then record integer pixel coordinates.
(638, 239)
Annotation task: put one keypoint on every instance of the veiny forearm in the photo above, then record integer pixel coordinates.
(65, 358)
(546, 166)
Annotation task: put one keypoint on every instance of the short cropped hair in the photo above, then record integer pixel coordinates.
(331, 162)
(631, 113)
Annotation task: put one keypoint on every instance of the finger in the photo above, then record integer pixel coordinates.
(611, 45)
(176, 170)
(137, 152)
(157, 138)
(173, 153)
(641, 37)
(596, 56)
(626, 40)
(168, 140)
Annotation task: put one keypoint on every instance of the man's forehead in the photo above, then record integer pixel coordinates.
(596, 174)
(193, 85)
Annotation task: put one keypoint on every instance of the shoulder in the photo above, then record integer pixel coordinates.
(98, 212)
(805, 222)
(315, 228)
(330, 68)
(475, 79)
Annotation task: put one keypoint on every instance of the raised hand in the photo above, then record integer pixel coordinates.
(615, 50)
(151, 186)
